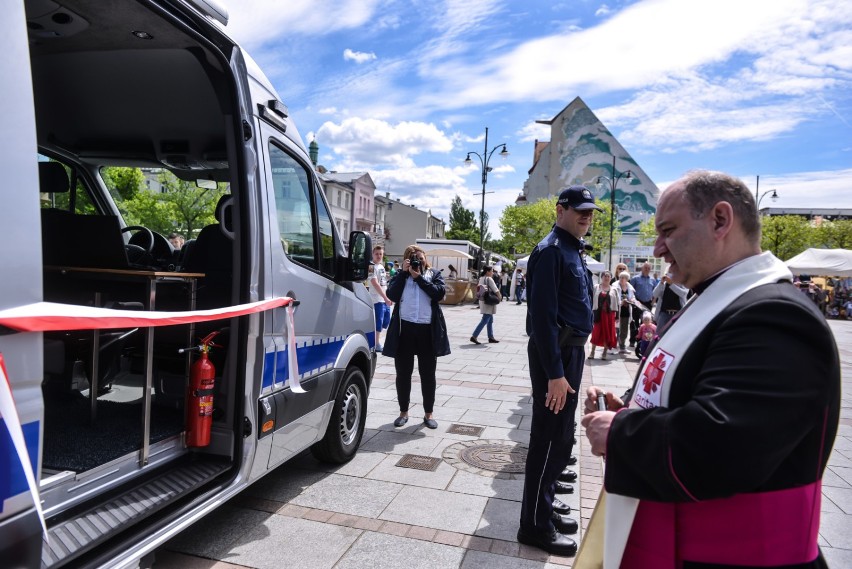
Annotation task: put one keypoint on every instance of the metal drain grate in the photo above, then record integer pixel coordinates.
(494, 458)
(469, 430)
(419, 462)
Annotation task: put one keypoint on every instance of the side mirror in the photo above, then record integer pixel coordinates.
(360, 256)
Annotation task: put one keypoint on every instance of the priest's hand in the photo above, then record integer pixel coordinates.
(597, 426)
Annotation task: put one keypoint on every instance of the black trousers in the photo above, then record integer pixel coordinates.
(551, 439)
(415, 340)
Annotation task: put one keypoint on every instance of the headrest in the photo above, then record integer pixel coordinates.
(52, 178)
(223, 212)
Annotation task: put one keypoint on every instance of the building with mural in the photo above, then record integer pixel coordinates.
(581, 149)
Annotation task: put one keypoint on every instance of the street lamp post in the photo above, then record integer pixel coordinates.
(613, 184)
(773, 195)
(484, 160)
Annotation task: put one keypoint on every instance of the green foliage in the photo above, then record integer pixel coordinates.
(194, 207)
(786, 235)
(523, 226)
(647, 232)
(125, 182)
(462, 223)
(600, 236)
(833, 235)
(182, 207)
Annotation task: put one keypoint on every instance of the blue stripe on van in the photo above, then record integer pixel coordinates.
(268, 369)
(312, 358)
(12, 479)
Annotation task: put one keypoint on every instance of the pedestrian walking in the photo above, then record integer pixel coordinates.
(520, 285)
(504, 285)
(626, 299)
(669, 298)
(486, 285)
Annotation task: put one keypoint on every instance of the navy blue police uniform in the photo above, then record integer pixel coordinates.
(559, 320)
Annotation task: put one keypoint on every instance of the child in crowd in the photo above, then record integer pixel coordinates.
(646, 333)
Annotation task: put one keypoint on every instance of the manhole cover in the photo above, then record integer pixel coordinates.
(469, 430)
(494, 458)
(418, 462)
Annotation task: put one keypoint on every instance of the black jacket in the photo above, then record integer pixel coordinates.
(435, 289)
(753, 407)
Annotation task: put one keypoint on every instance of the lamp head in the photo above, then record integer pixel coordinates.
(468, 161)
(504, 153)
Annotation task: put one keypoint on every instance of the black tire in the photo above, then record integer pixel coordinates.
(348, 416)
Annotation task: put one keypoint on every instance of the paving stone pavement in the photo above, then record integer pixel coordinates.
(373, 514)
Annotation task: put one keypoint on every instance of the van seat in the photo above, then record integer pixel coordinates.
(212, 254)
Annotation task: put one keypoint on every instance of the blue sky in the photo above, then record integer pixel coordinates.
(404, 89)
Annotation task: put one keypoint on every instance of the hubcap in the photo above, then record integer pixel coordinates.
(350, 415)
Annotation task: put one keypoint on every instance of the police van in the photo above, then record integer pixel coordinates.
(118, 427)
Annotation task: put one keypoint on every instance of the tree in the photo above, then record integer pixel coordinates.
(462, 223)
(647, 232)
(126, 182)
(182, 207)
(833, 234)
(192, 207)
(785, 235)
(523, 226)
(599, 238)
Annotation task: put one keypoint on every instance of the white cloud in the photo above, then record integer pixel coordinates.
(358, 56)
(603, 10)
(533, 131)
(365, 143)
(821, 189)
(328, 111)
(255, 22)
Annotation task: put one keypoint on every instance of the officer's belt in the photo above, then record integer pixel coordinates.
(568, 337)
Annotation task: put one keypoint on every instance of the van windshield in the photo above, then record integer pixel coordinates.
(160, 201)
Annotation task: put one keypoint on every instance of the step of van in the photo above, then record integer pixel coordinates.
(76, 535)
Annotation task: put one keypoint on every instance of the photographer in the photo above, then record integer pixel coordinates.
(417, 328)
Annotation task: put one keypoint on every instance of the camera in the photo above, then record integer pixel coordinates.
(415, 262)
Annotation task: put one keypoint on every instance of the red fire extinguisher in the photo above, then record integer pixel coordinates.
(199, 395)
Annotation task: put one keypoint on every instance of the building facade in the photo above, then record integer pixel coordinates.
(405, 224)
(580, 151)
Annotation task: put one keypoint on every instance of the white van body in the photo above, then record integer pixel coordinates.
(158, 85)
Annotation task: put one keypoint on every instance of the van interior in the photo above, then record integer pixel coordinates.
(122, 85)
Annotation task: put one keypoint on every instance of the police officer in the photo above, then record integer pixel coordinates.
(559, 320)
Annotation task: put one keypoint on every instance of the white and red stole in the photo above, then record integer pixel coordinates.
(657, 371)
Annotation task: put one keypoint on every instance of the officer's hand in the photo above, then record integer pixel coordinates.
(597, 426)
(557, 394)
(389, 302)
(613, 402)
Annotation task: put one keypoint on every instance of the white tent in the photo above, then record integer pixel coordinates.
(822, 262)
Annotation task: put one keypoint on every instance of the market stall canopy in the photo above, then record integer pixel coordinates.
(448, 253)
(823, 262)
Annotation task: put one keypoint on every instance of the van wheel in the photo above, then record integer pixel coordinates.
(346, 426)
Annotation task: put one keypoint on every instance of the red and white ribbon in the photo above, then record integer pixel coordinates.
(51, 316)
(13, 424)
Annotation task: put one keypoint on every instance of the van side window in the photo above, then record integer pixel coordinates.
(327, 254)
(292, 191)
(58, 196)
